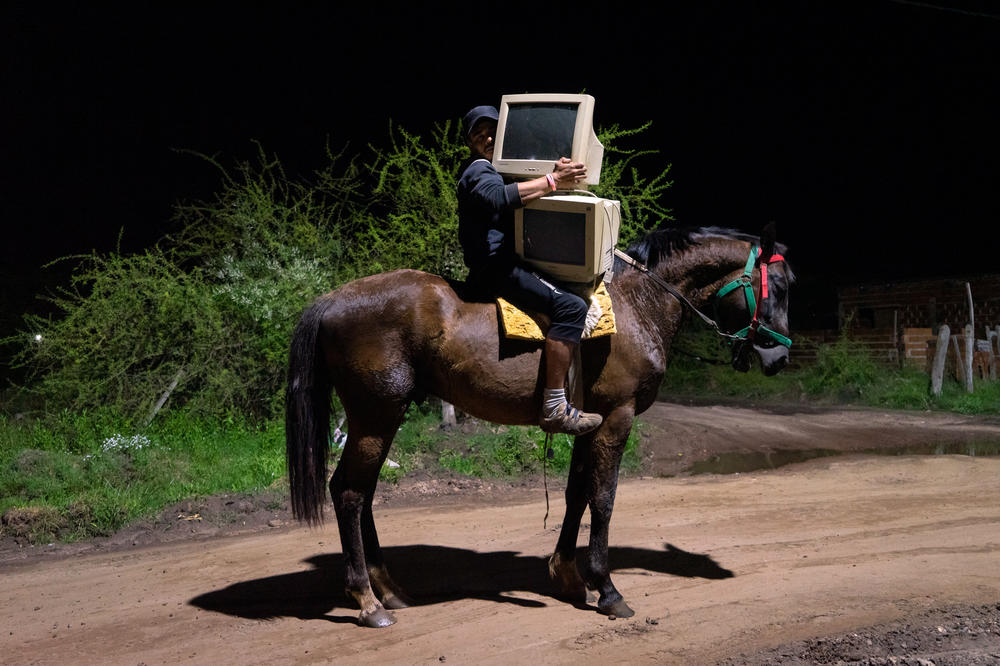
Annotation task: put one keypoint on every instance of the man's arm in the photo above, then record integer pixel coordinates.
(566, 174)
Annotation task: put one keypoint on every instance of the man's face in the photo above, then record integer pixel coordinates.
(481, 138)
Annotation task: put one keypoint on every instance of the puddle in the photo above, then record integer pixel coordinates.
(738, 463)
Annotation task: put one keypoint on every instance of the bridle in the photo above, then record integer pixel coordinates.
(754, 328)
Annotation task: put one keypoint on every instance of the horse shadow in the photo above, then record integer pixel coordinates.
(432, 575)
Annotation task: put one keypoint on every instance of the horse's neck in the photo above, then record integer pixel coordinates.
(698, 273)
(702, 270)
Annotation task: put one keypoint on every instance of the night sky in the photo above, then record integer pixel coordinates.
(864, 129)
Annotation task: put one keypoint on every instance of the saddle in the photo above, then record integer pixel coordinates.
(521, 325)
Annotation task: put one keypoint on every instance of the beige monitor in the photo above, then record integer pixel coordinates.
(534, 130)
(571, 237)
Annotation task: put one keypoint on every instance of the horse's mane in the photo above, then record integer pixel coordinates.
(664, 242)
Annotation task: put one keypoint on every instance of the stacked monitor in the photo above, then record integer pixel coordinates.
(568, 235)
(571, 237)
(535, 130)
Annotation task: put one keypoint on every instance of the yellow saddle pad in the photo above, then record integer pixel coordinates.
(522, 326)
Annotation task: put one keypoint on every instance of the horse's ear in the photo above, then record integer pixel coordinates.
(767, 235)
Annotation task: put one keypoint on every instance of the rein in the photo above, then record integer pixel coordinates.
(744, 281)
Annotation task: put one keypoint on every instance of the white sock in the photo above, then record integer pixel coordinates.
(554, 403)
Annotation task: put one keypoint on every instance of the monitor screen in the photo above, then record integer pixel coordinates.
(556, 236)
(535, 129)
(569, 237)
(539, 131)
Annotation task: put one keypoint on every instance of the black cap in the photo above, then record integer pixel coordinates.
(475, 115)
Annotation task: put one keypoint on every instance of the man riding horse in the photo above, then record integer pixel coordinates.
(486, 206)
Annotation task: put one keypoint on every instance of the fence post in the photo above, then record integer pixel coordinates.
(448, 414)
(959, 361)
(940, 356)
(972, 308)
(996, 332)
(970, 347)
(992, 370)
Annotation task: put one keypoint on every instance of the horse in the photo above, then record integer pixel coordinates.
(387, 340)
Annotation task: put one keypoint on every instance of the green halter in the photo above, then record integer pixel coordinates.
(746, 282)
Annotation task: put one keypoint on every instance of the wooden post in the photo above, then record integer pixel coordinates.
(992, 369)
(940, 356)
(996, 336)
(970, 347)
(959, 362)
(972, 310)
(448, 415)
(897, 339)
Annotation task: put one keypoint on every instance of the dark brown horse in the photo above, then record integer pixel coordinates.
(387, 340)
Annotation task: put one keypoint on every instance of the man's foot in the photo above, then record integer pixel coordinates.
(571, 421)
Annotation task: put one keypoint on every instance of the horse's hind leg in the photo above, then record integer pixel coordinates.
(390, 594)
(353, 488)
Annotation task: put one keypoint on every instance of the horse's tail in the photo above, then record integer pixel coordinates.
(307, 418)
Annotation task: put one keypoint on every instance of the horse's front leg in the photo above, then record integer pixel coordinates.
(605, 458)
(562, 565)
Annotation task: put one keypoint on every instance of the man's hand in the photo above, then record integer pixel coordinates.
(568, 173)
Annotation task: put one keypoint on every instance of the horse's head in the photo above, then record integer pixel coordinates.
(752, 305)
(744, 277)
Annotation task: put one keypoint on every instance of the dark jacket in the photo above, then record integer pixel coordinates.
(486, 217)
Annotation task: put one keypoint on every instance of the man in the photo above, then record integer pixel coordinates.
(486, 231)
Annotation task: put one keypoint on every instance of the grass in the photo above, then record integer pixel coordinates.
(73, 476)
(483, 450)
(844, 373)
(76, 475)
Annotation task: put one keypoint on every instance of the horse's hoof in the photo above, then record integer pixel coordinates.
(618, 609)
(569, 585)
(379, 617)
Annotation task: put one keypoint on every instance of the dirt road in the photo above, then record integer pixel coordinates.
(716, 566)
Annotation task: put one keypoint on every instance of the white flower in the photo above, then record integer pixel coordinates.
(121, 443)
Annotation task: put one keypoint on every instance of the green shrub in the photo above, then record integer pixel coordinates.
(641, 196)
(128, 328)
(204, 319)
(845, 367)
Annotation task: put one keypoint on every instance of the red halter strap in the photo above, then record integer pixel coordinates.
(763, 274)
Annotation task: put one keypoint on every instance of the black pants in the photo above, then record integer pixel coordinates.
(520, 286)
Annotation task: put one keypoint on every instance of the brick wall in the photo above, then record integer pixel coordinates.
(921, 303)
(916, 346)
(898, 321)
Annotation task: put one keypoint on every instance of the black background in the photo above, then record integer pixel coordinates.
(864, 129)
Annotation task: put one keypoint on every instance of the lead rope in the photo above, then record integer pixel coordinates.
(545, 480)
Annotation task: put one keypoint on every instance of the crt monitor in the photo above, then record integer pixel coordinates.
(534, 130)
(570, 237)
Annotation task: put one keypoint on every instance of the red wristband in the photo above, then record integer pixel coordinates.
(552, 181)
